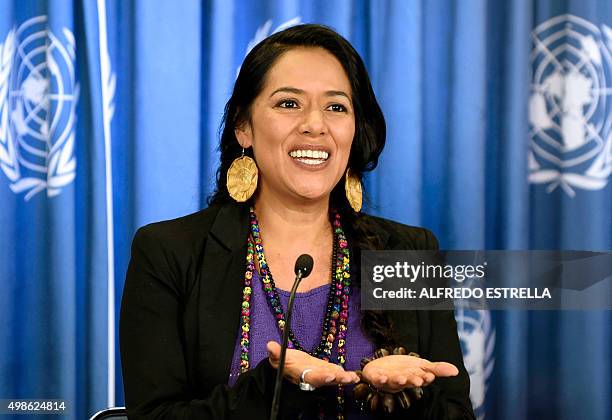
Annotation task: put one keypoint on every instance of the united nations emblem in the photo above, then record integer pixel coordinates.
(477, 337)
(569, 109)
(38, 97)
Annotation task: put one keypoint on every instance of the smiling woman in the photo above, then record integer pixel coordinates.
(303, 113)
(202, 313)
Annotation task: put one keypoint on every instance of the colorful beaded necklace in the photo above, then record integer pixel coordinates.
(336, 316)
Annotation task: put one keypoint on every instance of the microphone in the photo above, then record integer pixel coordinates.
(303, 265)
(303, 268)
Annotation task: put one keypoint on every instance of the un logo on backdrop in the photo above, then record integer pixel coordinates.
(38, 97)
(477, 337)
(569, 108)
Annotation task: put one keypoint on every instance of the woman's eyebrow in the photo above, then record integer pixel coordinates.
(288, 89)
(337, 93)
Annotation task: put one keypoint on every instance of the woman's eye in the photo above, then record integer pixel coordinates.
(287, 103)
(337, 108)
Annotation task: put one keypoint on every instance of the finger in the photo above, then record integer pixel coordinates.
(341, 376)
(442, 369)
(273, 353)
(379, 378)
(347, 377)
(415, 380)
(422, 363)
(274, 349)
(428, 378)
(322, 377)
(356, 378)
(399, 380)
(413, 377)
(394, 385)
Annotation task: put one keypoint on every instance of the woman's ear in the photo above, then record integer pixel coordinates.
(244, 134)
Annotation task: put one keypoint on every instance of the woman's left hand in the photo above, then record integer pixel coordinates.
(395, 372)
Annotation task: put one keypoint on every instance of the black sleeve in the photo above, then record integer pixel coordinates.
(445, 398)
(155, 376)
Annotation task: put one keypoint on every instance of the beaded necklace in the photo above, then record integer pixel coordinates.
(336, 316)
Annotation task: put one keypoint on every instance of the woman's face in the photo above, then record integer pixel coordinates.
(302, 126)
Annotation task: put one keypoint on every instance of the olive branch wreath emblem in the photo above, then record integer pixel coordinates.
(59, 168)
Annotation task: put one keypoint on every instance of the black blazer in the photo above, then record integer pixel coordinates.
(180, 315)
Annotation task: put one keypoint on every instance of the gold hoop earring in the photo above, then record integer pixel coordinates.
(353, 190)
(242, 178)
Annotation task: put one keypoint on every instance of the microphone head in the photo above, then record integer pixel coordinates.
(304, 265)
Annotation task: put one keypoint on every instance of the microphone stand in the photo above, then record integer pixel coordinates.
(302, 270)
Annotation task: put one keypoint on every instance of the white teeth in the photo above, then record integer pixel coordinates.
(312, 161)
(314, 154)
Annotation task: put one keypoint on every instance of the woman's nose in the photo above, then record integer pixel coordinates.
(314, 123)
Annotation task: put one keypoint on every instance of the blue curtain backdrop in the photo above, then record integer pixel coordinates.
(499, 137)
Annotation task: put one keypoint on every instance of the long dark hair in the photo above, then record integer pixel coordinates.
(368, 143)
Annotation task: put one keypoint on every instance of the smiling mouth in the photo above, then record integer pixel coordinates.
(310, 157)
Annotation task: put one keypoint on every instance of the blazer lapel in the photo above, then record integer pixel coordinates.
(221, 292)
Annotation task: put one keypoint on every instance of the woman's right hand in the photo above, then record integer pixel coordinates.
(323, 373)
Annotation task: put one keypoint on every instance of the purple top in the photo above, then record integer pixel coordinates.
(308, 313)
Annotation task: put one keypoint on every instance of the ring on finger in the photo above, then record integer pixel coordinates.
(305, 386)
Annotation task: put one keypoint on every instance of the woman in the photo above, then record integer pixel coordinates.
(202, 313)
